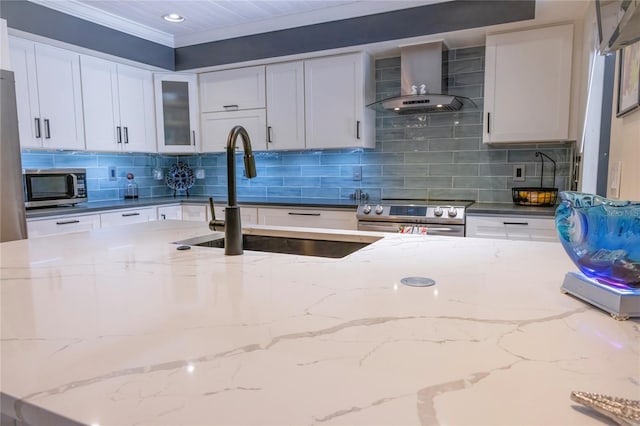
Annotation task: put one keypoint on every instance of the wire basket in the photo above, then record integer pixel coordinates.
(539, 196)
(534, 196)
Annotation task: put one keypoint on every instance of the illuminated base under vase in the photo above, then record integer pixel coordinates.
(621, 303)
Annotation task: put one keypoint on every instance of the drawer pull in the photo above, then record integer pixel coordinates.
(516, 223)
(230, 106)
(303, 214)
(67, 222)
(130, 214)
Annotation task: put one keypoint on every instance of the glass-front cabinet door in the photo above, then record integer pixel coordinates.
(177, 113)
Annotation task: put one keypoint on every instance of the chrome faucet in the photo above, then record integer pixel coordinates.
(232, 225)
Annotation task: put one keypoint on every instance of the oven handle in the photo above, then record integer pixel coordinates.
(395, 227)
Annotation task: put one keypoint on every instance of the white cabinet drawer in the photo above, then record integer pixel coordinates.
(512, 228)
(62, 225)
(308, 218)
(125, 217)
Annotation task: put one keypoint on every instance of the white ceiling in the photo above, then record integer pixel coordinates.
(210, 20)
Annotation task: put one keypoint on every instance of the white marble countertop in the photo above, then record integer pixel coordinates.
(117, 327)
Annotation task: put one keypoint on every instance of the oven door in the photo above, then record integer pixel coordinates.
(394, 227)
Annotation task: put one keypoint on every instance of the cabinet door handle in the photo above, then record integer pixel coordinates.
(516, 223)
(130, 214)
(269, 134)
(47, 129)
(67, 222)
(119, 135)
(303, 214)
(163, 216)
(38, 131)
(358, 129)
(126, 134)
(230, 106)
(193, 135)
(488, 122)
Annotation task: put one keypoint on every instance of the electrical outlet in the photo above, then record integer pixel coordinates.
(518, 172)
(112, 173)
(357, 173)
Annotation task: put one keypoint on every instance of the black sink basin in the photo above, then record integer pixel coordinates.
(290, 245)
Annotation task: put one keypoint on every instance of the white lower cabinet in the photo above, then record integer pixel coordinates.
(172, 212)
(128, 216)
(195, 213)
(248, 215)
(308, 218)
(62, 225)
(524, 228)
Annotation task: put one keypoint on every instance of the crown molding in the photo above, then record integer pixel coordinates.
(97, 16)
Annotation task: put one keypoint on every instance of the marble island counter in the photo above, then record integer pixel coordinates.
(117, 327)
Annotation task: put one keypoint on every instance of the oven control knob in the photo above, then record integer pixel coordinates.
(453, 212)
(437, 211)
(366, 209)
(379, 209)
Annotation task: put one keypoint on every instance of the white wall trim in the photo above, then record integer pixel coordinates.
(92, 14)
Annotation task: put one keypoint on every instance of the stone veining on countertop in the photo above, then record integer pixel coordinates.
(363, 322)
(196, 338)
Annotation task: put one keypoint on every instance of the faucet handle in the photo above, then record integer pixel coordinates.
(213, 223)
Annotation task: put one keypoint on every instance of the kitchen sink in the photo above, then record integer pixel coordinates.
(317, 245)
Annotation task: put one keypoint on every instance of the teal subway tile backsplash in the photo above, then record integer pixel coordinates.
(416, 156)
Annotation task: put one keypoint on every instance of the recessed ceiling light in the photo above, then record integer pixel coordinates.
(173, 17)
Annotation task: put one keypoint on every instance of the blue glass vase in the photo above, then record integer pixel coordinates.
(601, 236)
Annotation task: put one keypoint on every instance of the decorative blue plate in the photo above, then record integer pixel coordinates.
(180, 177)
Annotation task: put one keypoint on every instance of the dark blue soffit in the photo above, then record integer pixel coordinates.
(423, 20)
(35, 19)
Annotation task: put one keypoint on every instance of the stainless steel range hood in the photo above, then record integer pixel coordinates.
(421, 67)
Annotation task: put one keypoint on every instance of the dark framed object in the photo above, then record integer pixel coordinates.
(629, 79)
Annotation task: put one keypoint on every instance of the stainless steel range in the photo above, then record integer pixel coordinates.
(433, 217)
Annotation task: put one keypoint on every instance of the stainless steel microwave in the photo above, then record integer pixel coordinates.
(54, 187)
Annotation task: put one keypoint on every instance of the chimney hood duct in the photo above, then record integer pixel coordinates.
(421, 85)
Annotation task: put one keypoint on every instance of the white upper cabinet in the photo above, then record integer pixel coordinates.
(216, 127)
(135, 88)
(337, 88)
(118, 106)
(177, 112)
(528, 85)
(231, 90)
(49, 96)
(285, 106)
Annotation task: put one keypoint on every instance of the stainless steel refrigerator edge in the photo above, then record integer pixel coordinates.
(12, 211)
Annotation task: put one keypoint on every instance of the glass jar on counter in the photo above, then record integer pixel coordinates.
(131, 188)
